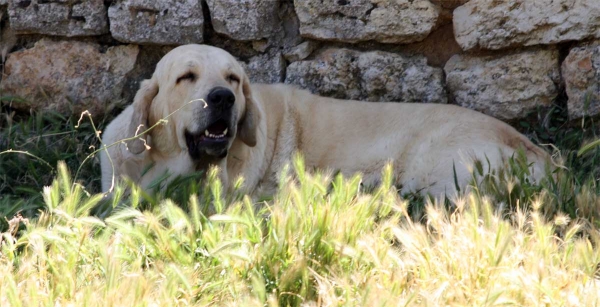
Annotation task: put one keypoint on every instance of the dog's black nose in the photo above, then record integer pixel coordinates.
(221, 97)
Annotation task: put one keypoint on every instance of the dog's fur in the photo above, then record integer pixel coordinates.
(428, 143)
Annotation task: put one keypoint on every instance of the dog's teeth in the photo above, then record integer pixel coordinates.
(215, 136)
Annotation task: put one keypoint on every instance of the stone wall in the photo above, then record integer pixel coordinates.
(505, 58)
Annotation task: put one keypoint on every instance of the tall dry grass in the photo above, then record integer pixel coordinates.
(321, 241)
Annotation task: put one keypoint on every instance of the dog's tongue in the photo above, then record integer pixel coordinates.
(217, 128)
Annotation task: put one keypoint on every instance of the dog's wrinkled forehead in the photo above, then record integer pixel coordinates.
(200, 57)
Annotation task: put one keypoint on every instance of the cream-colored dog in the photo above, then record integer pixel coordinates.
(253, 130)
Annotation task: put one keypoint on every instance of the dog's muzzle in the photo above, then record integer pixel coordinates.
(213, 140)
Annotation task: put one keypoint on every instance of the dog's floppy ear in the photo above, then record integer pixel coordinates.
(139, 118)
(249, 125)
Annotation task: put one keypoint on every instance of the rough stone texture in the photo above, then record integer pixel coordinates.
(371, 76)
(399, 21)
(449, 4)
(265, 68)
(447, 7)
(168, 22)
(290, 25)
(417, 35)
(301, 51)
(147, 58)
(244, 19)
(58, 17)
(504, 86)
(261, 45)
(581, 73)
(3, 7)
(8, 39)
(438, 47)
(68, 76)
(493, 24)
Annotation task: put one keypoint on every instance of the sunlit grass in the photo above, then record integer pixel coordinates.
(320, 241)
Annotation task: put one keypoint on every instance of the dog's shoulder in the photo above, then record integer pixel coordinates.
(276, 87)
(277, 92)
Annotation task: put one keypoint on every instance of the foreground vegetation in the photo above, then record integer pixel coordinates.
(323, 240)
(319, 242)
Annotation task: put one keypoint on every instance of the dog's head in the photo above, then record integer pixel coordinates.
(210, 99)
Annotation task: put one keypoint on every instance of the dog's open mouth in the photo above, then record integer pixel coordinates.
(211, 141)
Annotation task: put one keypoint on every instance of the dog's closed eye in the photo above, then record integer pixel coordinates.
(233, 78)
(189, 76)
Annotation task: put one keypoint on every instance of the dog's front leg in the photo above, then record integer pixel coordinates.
(170, 167)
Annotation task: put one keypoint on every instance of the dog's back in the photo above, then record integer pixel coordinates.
(428, 143)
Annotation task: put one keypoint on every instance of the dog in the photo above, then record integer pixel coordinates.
(215, 117)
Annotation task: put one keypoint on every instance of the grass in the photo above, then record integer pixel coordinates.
(321, 241)
(47, 139)
(309, 246)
